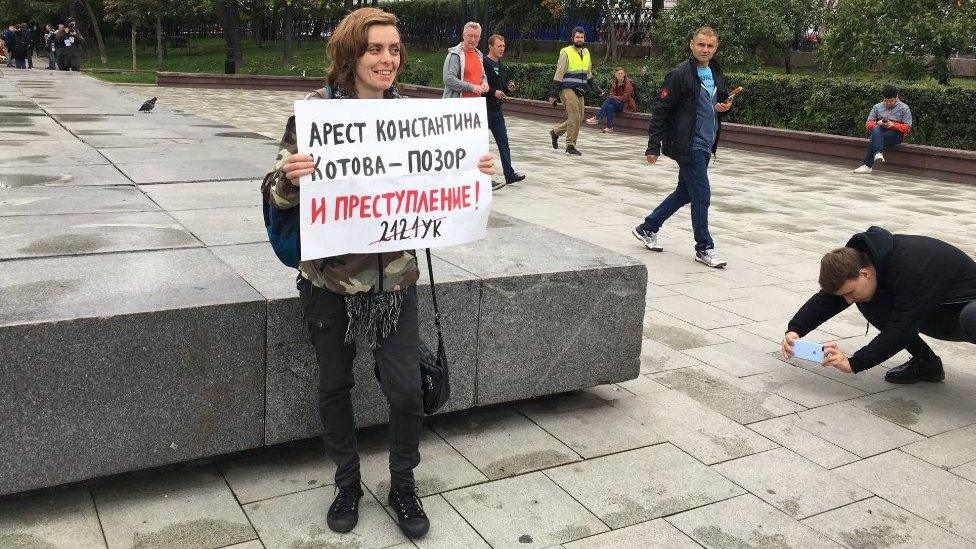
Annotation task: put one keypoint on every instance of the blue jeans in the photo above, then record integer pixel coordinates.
(611, 106)
(881, 138)
(20, 63)
(496, 123)
(52, 60)
(692, 188)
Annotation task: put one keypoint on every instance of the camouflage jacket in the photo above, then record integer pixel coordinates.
(345, 274)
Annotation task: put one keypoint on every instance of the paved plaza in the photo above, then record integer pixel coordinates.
(718, 443)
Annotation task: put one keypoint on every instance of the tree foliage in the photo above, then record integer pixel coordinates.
(906, 36)
(744, 28)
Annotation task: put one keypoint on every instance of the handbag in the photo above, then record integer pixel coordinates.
(434, 371)
(434, 377)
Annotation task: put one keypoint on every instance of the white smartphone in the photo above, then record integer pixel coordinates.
(808, 350)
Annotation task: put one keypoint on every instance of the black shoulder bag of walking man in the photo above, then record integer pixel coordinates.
(433, 366)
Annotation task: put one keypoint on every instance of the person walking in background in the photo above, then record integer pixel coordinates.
(574, 75)
(498, 85)
(889, 123)
(622, 99)
(685, 126)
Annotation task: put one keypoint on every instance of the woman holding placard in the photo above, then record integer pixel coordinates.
(367, 297)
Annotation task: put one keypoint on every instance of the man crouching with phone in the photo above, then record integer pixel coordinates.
(904, 285)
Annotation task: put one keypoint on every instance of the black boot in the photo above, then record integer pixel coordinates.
(409, 511)
(344, 511)
(571, 149)
(555, 139)
(916, 370)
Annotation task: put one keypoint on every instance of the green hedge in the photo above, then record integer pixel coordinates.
(943, 115)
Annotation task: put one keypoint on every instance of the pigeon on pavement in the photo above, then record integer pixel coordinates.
(148, 106)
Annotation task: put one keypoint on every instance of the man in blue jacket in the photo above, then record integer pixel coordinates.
(904, 285)
(685, 125)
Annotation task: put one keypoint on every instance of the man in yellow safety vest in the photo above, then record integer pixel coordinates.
(574, 75)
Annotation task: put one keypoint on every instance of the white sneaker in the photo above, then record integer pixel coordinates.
(710, 258)
(863, 169)
(878, 157)
(649, 239)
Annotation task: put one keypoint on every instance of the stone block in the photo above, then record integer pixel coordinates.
(292, 409)
(106, 373)
(187, 170)
(73, 234)
(532, 343)
(56, 176)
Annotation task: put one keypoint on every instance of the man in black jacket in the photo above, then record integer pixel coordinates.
(498, 84)
(904, 285)
(685, 125)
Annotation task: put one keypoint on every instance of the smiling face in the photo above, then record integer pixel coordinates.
(619, 75)
(703, 48)
(376, 69)
(470, 38)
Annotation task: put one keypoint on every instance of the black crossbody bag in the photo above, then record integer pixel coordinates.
(433, 367)
(434, 376)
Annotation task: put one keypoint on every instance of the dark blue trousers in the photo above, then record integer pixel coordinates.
(693, 187)
(881, 139)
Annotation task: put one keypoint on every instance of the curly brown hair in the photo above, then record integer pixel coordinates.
(349, 42)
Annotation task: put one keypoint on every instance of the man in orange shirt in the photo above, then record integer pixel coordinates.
(464, 71)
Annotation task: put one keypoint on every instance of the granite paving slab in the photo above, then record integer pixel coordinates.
(56, 176)
(749, 340)
(695, 429)
(792, 484)
(251, 150)
(736, 359)
(449, 530)
(74, 234)
(299, 520)
(863, 433)
(653, 534)
(920, 488)
(501, 442)
(189, 508)
(740, 399)
(747, 522)
(966, 471)
(695, 312)
(205, 195)
(592, 431)
(526, 511)
(786, 431)
(805, 388)
(658, 357)
(41, 201)
(644, 484)
(61, 520)
(46, 152)
(947, 450)
(278, 471)
(927, 409)
(765, 303)
(441, 469)
(875, 522)
(677, 334)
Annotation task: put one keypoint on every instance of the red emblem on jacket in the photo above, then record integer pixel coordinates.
(664, 93)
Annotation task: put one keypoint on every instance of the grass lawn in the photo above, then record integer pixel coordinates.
(207, 55)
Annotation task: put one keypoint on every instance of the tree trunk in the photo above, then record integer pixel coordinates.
(289, 31)
(159, 40)
(133, 33)
(485, 32)
(788, 61)
(347, 4)
(98, 33)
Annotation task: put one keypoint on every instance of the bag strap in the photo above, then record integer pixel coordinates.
(433, 297)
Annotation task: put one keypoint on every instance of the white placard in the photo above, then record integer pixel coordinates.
(392, 174)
